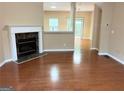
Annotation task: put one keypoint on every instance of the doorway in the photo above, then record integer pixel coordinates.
(79, 26)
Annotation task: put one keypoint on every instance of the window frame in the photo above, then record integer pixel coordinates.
(54, 28)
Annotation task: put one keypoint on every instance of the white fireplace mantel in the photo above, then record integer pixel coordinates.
(23, 29)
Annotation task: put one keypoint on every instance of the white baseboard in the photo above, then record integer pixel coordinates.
(5, 61)
(8, 60)
(94, 49)
(1, 64)
(117, 59)
(102, 54)
(113, 57)
(51, 50)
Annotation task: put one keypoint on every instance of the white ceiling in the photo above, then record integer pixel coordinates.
(61, 6)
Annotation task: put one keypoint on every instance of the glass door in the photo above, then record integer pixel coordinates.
(79, 24)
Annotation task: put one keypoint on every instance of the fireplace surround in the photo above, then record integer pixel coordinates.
(25, 40)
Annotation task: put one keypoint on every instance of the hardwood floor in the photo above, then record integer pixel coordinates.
(81, 70)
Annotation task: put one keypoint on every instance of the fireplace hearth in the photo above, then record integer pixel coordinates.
(27, 44)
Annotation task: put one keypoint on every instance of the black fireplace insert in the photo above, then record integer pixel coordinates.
(27, 44)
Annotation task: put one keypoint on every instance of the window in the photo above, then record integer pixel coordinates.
(53, 24)
(69, 24)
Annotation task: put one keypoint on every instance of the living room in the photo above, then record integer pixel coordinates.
(61, 46)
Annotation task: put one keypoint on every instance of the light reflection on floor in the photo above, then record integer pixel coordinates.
(54, 73)
(77, 51)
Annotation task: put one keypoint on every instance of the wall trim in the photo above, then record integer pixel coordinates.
(52, 50)
(113, 57)
(5, 61)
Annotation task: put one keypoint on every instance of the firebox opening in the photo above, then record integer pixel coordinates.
(27, 44)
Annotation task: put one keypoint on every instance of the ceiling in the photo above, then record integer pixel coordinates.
(84, 6)
(59, 6)
(66, 6)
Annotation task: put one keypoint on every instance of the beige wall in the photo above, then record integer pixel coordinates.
(1, 51)
(104, 33)
(23, 13)
(112, 36)
(18, 14)
(116, 39)
(96, 27)
(1, 27)
(58, 41)
(62, 16)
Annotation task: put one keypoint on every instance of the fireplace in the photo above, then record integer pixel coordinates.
(27, 44)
